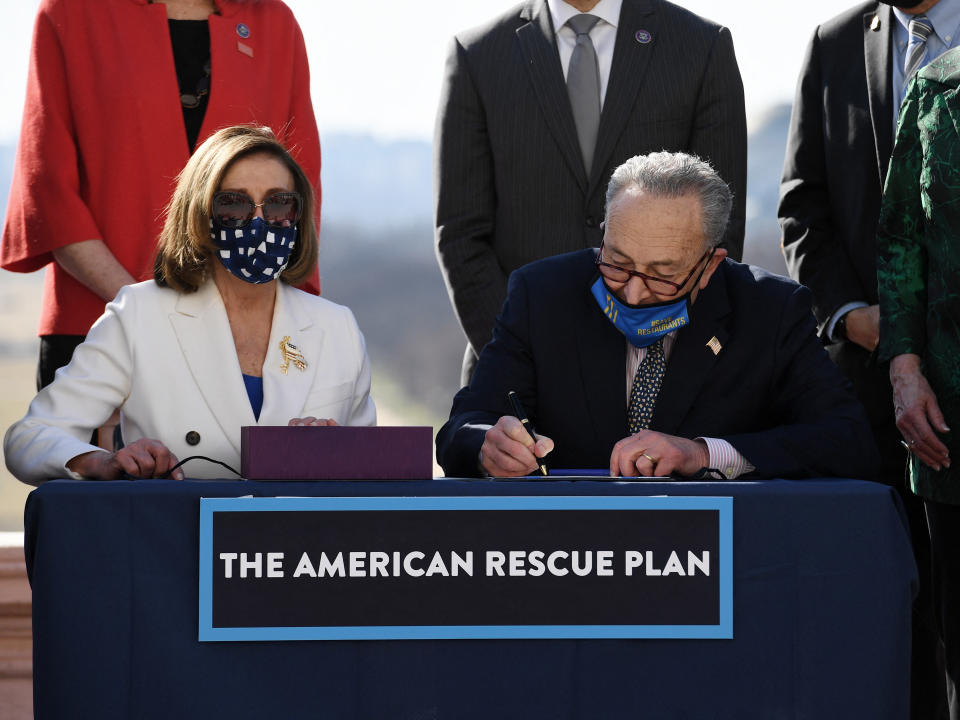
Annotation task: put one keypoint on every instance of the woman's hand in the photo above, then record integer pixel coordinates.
(144, 458)
(917, 412)
(310, 420)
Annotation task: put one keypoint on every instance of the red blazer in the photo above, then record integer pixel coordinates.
(103, 137)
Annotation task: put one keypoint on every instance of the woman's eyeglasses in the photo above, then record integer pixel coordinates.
(234, 209)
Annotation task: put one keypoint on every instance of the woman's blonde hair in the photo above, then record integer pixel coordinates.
(185, 248)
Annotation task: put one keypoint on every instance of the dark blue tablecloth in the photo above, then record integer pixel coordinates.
(823, 581)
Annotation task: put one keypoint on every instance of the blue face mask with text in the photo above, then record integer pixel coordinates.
(256, 253)
(642, 325)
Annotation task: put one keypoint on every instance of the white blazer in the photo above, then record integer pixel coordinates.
(168, 361)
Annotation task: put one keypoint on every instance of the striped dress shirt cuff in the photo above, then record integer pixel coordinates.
(725, 458)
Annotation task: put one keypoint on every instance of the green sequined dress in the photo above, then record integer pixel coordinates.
(918, 246)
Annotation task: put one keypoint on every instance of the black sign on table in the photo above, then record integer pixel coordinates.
(355, 568)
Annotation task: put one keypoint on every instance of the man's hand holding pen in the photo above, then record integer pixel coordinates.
(509, 451)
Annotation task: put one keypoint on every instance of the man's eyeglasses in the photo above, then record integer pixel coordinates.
(234, 209)
(658, 286)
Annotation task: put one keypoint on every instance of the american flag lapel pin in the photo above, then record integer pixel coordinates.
(291, 354)
(714, 345)
(243, 31)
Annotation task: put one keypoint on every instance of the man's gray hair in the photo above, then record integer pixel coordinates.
(674, 175)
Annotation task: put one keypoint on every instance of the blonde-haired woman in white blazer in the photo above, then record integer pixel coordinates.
(219, 339)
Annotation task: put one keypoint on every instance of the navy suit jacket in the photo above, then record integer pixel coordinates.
(771, 391)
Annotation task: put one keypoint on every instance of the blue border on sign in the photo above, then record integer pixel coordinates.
(722, 630)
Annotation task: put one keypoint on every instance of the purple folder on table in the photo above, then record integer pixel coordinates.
(336, 453)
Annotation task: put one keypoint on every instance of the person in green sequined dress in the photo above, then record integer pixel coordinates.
(918, 277)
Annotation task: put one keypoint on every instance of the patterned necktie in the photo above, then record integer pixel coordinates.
(920, 29)
(646, 388)
(583, 86)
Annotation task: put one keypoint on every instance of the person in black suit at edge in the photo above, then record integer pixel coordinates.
(533, 119)
(657, 355)
(841, 136)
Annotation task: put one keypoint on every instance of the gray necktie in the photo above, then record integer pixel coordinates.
(583, 86)
(920, 28)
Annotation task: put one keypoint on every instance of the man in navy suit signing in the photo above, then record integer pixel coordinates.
(655, 355)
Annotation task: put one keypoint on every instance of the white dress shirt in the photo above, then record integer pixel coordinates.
(603, 35)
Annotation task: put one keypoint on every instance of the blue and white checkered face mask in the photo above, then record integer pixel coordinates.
(256, 253)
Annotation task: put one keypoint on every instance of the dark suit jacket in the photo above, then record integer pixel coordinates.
(771, 392)
(510, 183)
(841, 137)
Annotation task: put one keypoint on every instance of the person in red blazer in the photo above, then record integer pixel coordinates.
(119, 93)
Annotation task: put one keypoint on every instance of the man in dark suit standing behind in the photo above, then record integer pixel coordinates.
(841, 136)
(541, 104)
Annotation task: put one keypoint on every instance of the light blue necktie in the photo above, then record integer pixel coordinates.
(920, 28)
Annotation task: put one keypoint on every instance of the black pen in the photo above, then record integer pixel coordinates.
(525, 421)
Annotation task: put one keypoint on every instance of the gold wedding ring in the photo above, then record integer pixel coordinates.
(653, 460)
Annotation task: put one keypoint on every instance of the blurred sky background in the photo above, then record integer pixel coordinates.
(376, 68)
(376, 65)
